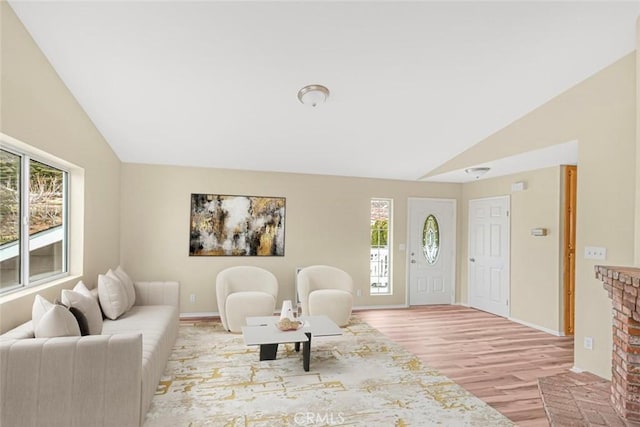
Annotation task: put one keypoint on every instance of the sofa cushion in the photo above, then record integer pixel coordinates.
(57, 322)
(112, 295)
(20, 332)
(87, 306)
(128, 285)
(152, 321)
(159, 327)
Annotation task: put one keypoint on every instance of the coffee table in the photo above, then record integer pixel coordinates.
(262, 331)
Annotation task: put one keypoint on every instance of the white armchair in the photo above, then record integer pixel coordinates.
(245, 291)
(326, 290)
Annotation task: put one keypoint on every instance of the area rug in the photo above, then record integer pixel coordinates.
(358, 379)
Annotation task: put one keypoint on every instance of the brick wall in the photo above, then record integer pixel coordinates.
(622, 284)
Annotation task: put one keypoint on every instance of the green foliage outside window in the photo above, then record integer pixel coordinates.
(379, 233)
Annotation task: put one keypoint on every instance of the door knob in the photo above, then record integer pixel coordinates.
(472, 259)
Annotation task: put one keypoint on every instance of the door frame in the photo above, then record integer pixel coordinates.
(508, 263)
(570, 188)
(454, 250)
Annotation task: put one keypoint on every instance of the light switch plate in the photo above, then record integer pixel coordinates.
(595, 252)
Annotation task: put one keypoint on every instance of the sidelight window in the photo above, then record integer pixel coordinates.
(380, 267)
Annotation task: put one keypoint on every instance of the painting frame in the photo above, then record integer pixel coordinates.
(236, 225)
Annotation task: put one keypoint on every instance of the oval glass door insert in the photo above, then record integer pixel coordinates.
(431, 239)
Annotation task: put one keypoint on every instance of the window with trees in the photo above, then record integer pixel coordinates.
(33, 226)
(380, 267)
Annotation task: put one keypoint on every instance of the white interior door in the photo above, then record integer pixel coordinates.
(432, 237)
(489, 225)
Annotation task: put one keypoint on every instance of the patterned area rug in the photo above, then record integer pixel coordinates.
(358, 379)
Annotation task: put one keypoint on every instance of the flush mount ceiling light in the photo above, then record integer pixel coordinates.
(312, 95)
(477, 172)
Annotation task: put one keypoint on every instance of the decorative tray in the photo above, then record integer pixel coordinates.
(289, 325)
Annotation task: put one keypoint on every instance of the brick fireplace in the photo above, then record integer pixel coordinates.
(623, 286)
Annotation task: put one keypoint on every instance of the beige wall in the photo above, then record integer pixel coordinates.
(600, 113)
(535, 261)
(327, 222)
(37, 109)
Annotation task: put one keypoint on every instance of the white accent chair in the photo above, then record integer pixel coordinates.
(245, 291)
(326, 290)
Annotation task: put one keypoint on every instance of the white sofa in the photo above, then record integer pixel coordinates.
(93, 380)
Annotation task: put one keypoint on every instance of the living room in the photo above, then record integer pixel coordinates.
(137, 215)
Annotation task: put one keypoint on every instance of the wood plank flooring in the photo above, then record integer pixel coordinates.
(497, 360)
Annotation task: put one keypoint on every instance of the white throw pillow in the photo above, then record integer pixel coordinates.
(81, 288)
(128, 285)
(57, 322)
(39, 308)
(114, 276)
(112, 295)
(87, 306)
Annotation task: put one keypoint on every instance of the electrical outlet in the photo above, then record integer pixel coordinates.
(588, 343)
(595, 252)
(359, 292)
(192, 298)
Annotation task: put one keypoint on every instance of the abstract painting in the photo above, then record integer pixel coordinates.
(223, 225)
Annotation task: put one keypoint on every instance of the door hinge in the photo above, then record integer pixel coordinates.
(507, 303)
(507, 213)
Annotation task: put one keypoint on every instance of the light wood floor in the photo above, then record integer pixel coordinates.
(497, 360)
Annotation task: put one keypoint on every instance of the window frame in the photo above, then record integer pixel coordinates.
(24, 279)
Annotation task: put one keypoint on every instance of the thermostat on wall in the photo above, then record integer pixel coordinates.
(518, 186)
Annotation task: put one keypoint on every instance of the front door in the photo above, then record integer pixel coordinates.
(489, 224)
(431, 251)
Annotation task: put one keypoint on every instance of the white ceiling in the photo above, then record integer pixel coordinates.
(412, 84)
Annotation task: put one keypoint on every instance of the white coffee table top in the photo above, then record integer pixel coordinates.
(319, 326)
(263, 330)
(270, 334)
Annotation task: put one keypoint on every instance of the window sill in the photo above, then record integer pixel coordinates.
(21, 293)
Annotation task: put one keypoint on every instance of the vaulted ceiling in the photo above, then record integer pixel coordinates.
(413, 84)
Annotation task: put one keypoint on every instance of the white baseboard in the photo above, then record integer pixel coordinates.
(199, 314)
(381, 307)
(576, 370)
(210, 314)
(540, 328)
(464, 304)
